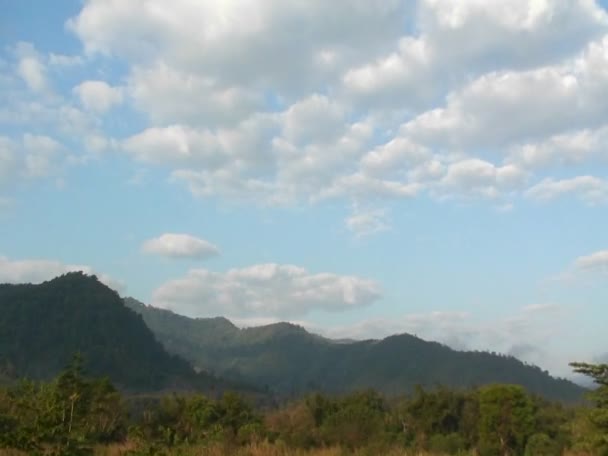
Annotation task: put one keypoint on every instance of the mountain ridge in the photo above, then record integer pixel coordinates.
(287, 359)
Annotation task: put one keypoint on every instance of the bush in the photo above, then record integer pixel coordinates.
(542, 445)
(450, 443)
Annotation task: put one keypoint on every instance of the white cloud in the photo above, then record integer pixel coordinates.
(591, 190)
(168, 95)
(33, 73)
(395, 157)
(360, 186)
(366, 222)
(478, 178)
(597, 261)
(33, 156)
(37, 271)
(314, 119)
(264, 290)
(448, 51)
(564, 149)
(31, 67)
(240, 147)
(98, 96)
(177, 145)
(174, 245)
(293, 102)
(261, 43)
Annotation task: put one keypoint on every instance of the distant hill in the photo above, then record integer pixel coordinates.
(287, 359)
(43, 326)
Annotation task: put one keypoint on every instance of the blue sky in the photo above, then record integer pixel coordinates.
(359, 168)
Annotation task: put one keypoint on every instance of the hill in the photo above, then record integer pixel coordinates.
(289, 360)
(43, 326)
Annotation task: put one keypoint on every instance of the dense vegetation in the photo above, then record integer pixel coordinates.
(273, 356)
(42, 326)
(74, 415)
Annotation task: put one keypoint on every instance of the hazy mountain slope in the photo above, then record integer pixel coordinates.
(289, 360)
(42, 326)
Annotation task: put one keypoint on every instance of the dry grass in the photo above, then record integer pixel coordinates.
(267, 449)
(260, 449)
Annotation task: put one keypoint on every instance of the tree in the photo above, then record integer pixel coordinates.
(598, 416)
(506, 419)
(65, 416)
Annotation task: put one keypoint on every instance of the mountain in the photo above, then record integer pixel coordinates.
(289, 360)
(43, 326)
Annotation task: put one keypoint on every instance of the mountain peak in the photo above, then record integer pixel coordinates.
(42, 326)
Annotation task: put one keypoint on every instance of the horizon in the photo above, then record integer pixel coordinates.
(358, 169)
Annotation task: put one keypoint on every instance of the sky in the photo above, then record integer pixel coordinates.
(359, 167)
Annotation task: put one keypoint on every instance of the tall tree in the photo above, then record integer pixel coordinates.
(506, 420)
(599, 415)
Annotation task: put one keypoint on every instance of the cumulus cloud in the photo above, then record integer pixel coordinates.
(174, 245)
(38, 270)
(262, 43)
(167, 95)
(264, 290)
(478, 178)
(98, 96)
(293, 102)
(357, 106)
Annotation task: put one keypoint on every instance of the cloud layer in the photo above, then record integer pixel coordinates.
(527, 333)
(285, 103)
(264, 290)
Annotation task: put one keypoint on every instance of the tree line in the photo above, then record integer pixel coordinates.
(74, 414)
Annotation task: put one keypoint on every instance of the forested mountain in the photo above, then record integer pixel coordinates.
(43, 326)
(287, 359)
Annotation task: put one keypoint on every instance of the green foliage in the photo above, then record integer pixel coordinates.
(598, 416)
(440, 413)
(183, 420)
(65, 416)
(447, 444)
(73, 414)
(507, 419)
(354, 420)
(542, 445)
